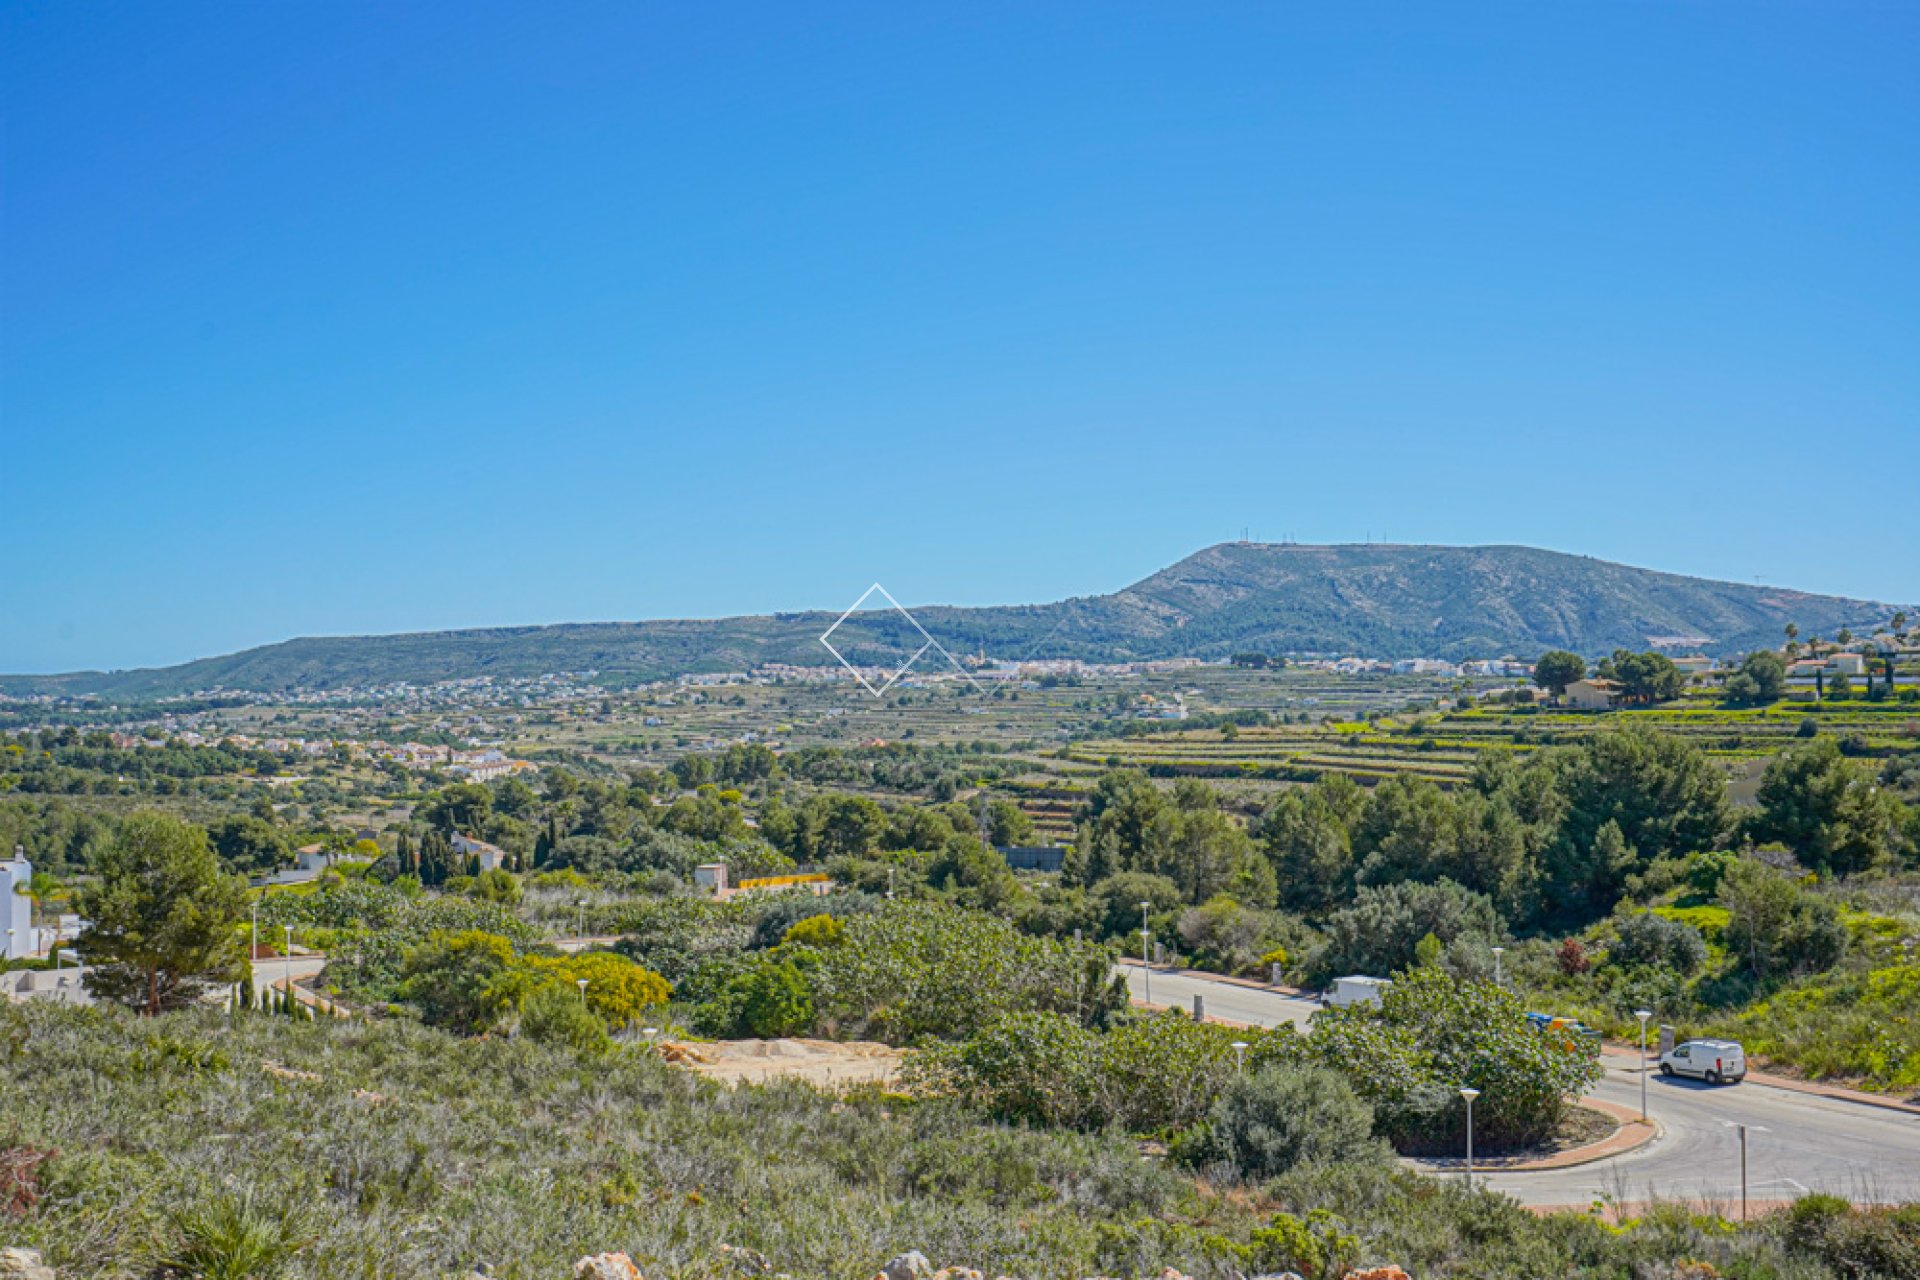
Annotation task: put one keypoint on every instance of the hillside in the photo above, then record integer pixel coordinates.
(1377, 600)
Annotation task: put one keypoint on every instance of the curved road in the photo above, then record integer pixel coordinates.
(1796, 1142)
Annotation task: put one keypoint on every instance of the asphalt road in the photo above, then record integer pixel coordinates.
(1796, 1142)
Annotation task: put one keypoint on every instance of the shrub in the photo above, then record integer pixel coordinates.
(771, 999)
(1431, 1035)
(1871, 1244)
(1267, 1121)
(909, 970)
(618, 990)
(1776, 926)
(1647, 940)
(462, 981)
(234, 1237)
(557, 1016)
(815, 931)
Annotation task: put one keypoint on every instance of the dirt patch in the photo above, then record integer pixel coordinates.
(830, 1064)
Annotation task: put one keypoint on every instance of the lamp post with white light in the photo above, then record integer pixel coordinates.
(1240, 1056)
(582, 984)
(1497, 953)
(1643, 1015)
(1469, 1095)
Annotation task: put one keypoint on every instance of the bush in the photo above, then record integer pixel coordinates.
(462, 981)
(557, 1016)
(909, 970)
(234, 1237)
(1649, 941)
(1872, 1244)
(815, 931)
(1267, 1121)
(1431, 1035)
(771, 999)
(618, 990)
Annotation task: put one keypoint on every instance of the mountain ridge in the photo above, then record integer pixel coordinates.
(1381, 600)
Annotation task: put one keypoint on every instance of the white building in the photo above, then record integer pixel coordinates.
(16, 908)
(489, 857)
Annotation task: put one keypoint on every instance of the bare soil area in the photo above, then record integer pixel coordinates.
(830, 1064)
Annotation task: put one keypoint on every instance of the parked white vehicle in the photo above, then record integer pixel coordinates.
(1715, 1061)
(1355, 990)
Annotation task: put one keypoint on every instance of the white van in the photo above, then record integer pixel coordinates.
(1715, 1061)
(1355, 990)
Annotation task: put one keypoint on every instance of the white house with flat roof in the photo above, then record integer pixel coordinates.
(16, 908)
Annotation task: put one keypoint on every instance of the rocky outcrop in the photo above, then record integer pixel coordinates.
(23, 1264)
(607, 1266)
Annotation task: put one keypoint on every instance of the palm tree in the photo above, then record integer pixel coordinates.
(43, 887)
(1793, 638)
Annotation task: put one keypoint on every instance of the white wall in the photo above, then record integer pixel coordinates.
(16, 909)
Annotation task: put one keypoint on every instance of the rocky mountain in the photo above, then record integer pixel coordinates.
(1375, 600)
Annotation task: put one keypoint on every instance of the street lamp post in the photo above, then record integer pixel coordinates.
(1643, 1015)
(582, 984)
(1497, 953)
(1469, 1095)
(1146, 969)
(1240, 1056)
(287, 965)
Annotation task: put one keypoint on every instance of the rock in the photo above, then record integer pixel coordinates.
(1388, 1272)
(607, 1266)
(911, 1265)
(23, 1264)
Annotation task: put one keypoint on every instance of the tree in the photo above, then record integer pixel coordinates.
(1557, 669)
(1775, 926)
(1830, 811)
(1307, 835)
(1116, 903)
(464, 806)
(1380, 932)
(248, 844)
(165, 919)
(1662, 793)
(1643, 677)
(1762, 678)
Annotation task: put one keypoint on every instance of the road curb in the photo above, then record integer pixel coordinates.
(1632, 1135)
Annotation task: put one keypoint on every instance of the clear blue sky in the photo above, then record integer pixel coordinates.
(328, 318)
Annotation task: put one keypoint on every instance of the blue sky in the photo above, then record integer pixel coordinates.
(324, 318)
